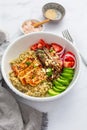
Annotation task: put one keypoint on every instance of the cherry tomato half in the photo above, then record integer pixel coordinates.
(57, 47)
(69, 60)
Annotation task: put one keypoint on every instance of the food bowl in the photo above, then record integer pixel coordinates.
(27, 26)
(20, 45)
(60, 11)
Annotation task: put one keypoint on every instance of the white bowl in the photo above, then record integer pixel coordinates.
(20, 45)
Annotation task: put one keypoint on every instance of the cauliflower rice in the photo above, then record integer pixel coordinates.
(38, 91)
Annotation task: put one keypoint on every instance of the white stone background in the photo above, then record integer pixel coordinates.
(71, 111)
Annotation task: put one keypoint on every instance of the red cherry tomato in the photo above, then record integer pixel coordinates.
(42, 42)
(69, 64)
(57, 47)
(69, 52)
(48, 46)
(69, 60)
(38, 45)
(34, 47)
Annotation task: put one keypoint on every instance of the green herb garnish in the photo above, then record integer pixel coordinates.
(51, 50)
(28, 63)
(33, 76)
(35, 66)
(49, 72)
(42, 56)
(40, 51)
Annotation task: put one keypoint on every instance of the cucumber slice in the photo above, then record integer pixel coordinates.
(61, 87)
(63, 82)
(51, 92)
(56, 89)
(66, 75)
(68, 71)
(71, 69)
(61, 77)
(56, 83)
(68, 79)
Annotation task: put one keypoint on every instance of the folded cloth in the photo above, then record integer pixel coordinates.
(10, 116)
(15, 115)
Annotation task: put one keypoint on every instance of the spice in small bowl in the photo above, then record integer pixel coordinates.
(52, 14)
(28, 26)
(53, 11)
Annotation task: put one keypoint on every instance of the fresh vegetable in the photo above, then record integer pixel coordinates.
(48, 69)
(66, 75)
(68, 70)
(49, 72)
(56, 83)
(62, 88)
(51, 92)
(61, 84)
(40, 44)
(48, 46)
(34, 47)
(28, 63)
(69, 60)
(64, 78)
(57, 89)
(69, 64)
(57, 47)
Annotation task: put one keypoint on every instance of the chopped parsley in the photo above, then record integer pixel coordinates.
(27, 63)
(33, 76)
(51, 50)
(49, 72)
(35, 66)
(42, 56)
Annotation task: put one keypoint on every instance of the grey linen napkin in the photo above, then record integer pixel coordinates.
(13, 114)
(17, 117)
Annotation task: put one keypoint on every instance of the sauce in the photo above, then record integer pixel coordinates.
(53, 14)
(28, 27)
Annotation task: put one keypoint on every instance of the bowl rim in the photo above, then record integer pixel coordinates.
(31, 98)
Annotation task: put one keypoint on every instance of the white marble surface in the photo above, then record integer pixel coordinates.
(71, 111)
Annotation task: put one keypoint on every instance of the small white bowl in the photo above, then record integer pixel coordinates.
(22, 44)
(21, 27)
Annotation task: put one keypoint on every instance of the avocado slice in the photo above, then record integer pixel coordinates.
(68, 70)
(61, 87)
(61, 77)
(67, 75)
(57, 89)
(68, 79)
(51, 92)
(63, 81)
(56, 83)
